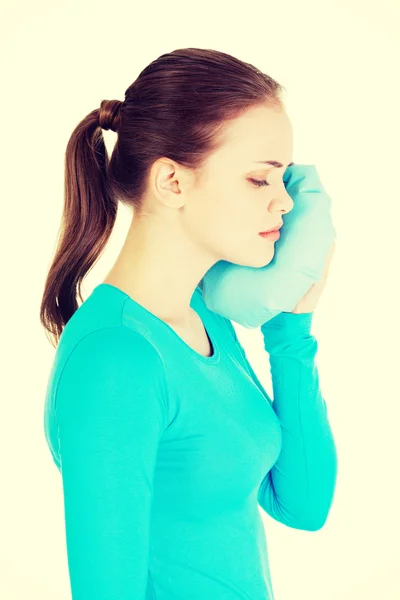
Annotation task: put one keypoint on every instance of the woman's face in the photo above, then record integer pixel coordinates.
(227, 208)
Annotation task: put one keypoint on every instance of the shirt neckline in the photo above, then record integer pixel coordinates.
(197, 307)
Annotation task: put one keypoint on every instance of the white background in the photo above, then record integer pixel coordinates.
(339, 61)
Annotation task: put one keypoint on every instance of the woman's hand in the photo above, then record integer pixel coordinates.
(309, 301)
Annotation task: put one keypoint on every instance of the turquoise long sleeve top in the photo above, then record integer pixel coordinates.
(166, 455)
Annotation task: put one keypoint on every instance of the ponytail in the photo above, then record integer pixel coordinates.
(89, 214)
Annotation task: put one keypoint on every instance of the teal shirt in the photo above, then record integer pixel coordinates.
(166, 455)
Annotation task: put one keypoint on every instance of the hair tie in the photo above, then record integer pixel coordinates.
(109, 114)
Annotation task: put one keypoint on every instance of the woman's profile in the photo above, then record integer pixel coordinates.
(165, 439)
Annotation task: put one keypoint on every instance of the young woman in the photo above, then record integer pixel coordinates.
(166, 441)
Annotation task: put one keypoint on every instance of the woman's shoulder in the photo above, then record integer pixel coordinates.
(115, 348)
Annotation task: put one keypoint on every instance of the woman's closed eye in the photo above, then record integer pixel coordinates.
(264, 182)
(260, 182)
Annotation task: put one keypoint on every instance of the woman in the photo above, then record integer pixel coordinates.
(166, 441)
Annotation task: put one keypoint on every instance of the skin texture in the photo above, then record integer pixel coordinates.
(191, 220)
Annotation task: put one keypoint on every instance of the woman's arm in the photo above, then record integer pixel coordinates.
(298, 490)
(111, 412)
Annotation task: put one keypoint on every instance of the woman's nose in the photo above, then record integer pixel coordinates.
(288, 201)
(284, 200)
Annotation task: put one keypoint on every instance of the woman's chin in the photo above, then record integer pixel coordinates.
(254, 257)
(263, 263)
(260, 261)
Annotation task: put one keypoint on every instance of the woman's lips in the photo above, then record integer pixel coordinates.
(271, 235)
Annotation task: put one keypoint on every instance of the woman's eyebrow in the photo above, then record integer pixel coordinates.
(274, 163)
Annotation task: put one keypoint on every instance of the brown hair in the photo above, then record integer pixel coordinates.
(177, 107)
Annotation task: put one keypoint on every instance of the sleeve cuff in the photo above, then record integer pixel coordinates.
(289, 323)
